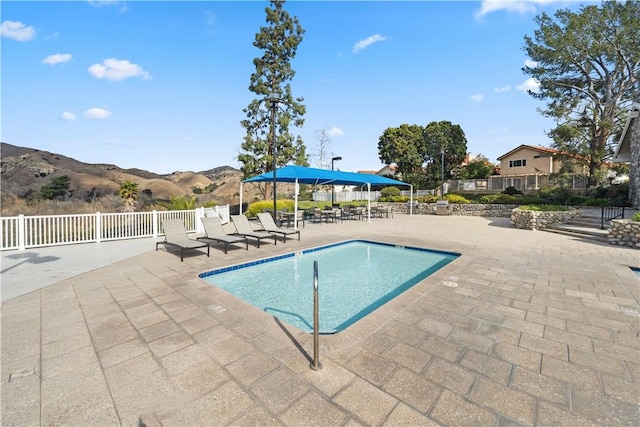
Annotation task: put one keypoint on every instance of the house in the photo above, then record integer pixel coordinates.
(529, 160)
(628, 150)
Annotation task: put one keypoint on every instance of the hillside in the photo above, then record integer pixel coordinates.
(25, 170)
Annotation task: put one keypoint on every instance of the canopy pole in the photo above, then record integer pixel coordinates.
(368, 202)
(295, 205)
(411, 201)
(241, 186)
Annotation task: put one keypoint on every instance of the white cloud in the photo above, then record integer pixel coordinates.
(530, 84)
(334, 131)
(68, 117)
(517, 6)
(501, 89)
(117, 70)
(97, 113)
(17, 30)
(209, 18)
(530, 64)
(103, 3)
(57, 58)
(477, 98)
(362, 44)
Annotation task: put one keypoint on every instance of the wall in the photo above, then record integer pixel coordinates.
(476, 209)
(624, 232)
(534, 220)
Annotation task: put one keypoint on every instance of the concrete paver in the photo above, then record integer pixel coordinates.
(525, 328)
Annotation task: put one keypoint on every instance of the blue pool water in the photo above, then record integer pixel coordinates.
(355, 278)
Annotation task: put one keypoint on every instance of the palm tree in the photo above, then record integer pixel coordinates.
(129, 193)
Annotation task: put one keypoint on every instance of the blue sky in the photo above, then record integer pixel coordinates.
(161, 85)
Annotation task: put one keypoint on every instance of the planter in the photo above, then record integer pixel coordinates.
(536, 220)
(624, 232)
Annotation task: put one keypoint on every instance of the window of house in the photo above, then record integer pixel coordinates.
(517, 163)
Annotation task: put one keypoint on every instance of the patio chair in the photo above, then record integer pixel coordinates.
(243, 228)
(175, 234)
(300, 217)
(215, 234)
(270, 226)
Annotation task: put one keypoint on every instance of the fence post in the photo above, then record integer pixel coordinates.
(199, 214)
(154, 222)
(98, 227)
(21, 233)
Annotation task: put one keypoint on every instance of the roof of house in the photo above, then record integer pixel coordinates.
(623, 150)
(546, 150)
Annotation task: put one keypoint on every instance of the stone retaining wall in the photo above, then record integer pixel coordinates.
(624, 232)
(535, 220)
(474, 209)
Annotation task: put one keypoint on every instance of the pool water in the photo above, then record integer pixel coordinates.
(354, 278)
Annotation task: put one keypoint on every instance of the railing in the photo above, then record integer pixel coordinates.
(610, 211)
(21, 232)
(520, 182)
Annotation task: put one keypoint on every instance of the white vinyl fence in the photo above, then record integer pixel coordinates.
(22, 232)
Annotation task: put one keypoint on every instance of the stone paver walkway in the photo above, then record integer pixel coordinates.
(525, 328)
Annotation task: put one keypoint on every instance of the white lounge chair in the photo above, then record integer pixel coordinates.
(175, 234)
(243, 228)
(215, 233)
(269, 225)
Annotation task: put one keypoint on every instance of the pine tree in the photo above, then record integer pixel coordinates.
(279, 42)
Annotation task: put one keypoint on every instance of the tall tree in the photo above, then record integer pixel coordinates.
(405, 147)
(279, 42)
(446, 149)
(322, 155)
(588, 67)
(57, 189)
(129, 193)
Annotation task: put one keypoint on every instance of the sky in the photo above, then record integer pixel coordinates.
(161, 85)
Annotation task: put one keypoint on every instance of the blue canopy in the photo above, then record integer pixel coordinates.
(304, 175)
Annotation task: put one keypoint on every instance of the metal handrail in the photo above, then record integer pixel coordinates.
(611, 211)
(315, 365)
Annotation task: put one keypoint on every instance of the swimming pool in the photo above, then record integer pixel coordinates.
(355, 278)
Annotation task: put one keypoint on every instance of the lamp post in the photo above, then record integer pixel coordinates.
(333, 187)
(442, 151)
(274, 97)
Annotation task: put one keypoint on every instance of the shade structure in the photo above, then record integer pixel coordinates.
(314, 176)
(303, 175)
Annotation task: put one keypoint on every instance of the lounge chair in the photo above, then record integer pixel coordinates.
(243, 228)
(270, 226)
(215, 234)
(175, 234)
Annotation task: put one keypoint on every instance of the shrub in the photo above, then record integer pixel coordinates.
(511, 191)
(428, 199)
(394, 199)
(258, 207)
(455, 198)
(390, 192)
(543, 208)
(499, 199)
(592, 201)
(636, 216)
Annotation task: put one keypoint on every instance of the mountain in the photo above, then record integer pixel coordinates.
(25, 170)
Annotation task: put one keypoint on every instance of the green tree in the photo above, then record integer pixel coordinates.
(405, 147)
(279, 42)
(446, 145)
(129, 193)
(478, 168)
(57, 189)
(184, 203)
(588, 67)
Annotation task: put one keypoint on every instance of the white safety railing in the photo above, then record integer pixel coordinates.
(21, 232)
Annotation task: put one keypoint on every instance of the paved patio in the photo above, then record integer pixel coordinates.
(525, 328)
